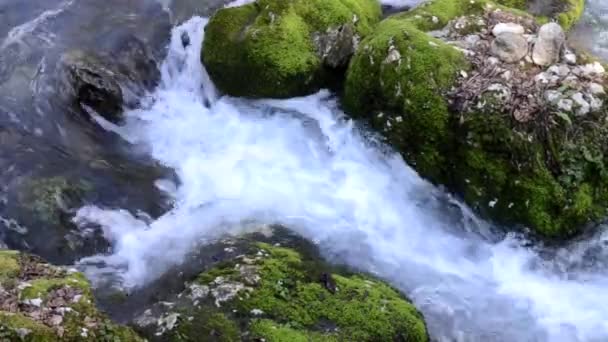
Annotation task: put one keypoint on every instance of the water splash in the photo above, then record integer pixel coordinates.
(301, 163)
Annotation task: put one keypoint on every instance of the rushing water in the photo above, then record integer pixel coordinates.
(302, 164)
(591, 33)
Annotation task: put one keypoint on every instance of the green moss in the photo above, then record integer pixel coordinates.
(207, 325)
(41, 287)
(44, 196)
(544, 175)
(83, 322)
(11, 324)
(572, 14)
(399, 76)
(265, 49)
(362, 309)
(9, 264)
(435, 14)
(104, 331)
(273, 332)
(518, 176)
(225, 269)
(567, 12)
(519, 4)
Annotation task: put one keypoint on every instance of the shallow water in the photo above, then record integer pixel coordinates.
(302, 164)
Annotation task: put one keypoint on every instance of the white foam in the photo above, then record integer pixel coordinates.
(17, 33)
(300, 163)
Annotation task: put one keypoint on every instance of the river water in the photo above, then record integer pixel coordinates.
(302, 164)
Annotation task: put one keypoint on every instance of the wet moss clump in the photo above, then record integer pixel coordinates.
(267, 48)
(546, 174)
(47, 198)
(41, 303)
(398, 78)
(566, 12)
(279, 294)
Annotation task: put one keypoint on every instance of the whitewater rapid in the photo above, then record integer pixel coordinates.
(302, 164)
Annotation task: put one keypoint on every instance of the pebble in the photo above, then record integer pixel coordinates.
(565, 104)
(596, 89)
(583, 106)
(507, 27)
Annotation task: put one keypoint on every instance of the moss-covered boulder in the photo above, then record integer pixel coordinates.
(280, 294)
(522, 144)
(284, 48)
(43, 303)
(566, 12)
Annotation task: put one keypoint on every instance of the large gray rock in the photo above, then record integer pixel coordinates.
(548, 46)
(89, 82)
(509, 47)
(106, 83)
(336, 46)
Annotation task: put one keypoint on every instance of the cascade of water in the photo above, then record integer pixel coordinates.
(301, 163)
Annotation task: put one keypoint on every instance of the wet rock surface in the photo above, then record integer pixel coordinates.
(95, 82)
(521, 140)
(279, 291)
(41, 302)
(289, 50)
(47, 133)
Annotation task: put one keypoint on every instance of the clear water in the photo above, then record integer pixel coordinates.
(301, 163)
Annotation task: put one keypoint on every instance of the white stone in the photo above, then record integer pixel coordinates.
(593, 69)
(168, 322)
(507, 27)
(565, 105)
(570, 58)
(596, 89)
(583, 107)
(471, 41)
(37, 302)
(552, 96)
(198, 291)
(595, 103)
(509, 47)
(493, 60)
(560, 70)
(393, 55)
(543, 78)
(257, 312)
(548, 46)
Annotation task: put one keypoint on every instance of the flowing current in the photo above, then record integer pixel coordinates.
(300, 163)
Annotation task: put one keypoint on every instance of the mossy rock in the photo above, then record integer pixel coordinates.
(40, 302)
(566, 12)
(282, 294)
(399, 76)
(284, 48)
(548, 174)
(48, 198)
